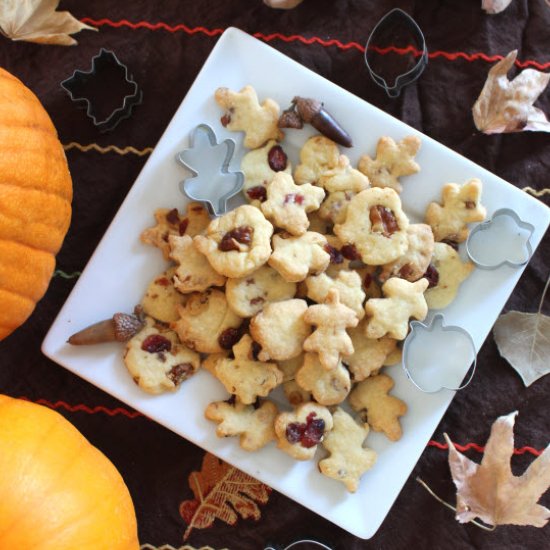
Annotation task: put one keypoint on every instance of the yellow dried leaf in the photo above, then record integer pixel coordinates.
(37, 21)
(221, 492)
(507, 105)
(490, 492)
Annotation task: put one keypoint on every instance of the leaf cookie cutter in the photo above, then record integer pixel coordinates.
(103, 64)
(298, 542)
(427, 346)
(211, 182)
(510, 245)
(394, 18)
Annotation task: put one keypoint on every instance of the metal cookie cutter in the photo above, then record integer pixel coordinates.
(392, 24)
(208, 160)
(296, 544)
(94, 90)
(505, 239)
(434, 356)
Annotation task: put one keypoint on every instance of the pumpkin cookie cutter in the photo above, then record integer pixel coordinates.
(211, 182)
(296, 543)
(445, 343)
(512, 237)
(391, 19)
(101, 64)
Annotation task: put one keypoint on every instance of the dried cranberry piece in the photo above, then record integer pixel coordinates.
(182, 227)
(294, 432)
(173, 217)
(314, 432)
(257, 193)
(432, 275)
(155, 343)
(180, 372)
(242, 234)
(162, 281)
(350, 252)
(229, 337)
(277, 158)
(405, 271)
(336, 256)
(294, 198)
(225, 119)
(367, 281)
(451, 243)
(470, 205)
(257, 300)
(383, 221)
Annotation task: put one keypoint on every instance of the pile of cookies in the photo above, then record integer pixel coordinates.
(310, 287)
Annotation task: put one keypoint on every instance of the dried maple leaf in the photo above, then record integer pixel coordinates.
(37, 21)
(490, 492)
(523, 339)
(221, 492)
(507, 105)
(494, 6)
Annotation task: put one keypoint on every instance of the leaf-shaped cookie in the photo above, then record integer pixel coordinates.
(507, 105)
(37, 21)
(221, 492)
(523, 339)
(490, 492)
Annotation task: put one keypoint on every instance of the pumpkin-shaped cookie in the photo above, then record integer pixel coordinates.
(35, 201)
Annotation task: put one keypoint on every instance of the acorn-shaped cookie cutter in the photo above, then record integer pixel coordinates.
(455, 342)
(208, 160)
(394, 17)
(509, 240)
(297, 543)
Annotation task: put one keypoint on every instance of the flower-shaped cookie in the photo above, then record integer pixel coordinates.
(390, 315)
(330, 339)
(237, 243)
(287, 204)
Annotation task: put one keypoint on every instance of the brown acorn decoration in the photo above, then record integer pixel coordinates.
(311, 111)
(120, 328)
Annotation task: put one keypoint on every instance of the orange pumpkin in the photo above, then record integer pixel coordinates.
(57, 491)
(35, 201)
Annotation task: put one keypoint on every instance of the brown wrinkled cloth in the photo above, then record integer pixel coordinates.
(155, 462)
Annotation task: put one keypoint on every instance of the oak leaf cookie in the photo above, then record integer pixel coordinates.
(347, 283)
(280, 329)
(461, 206)
(237, 243)
(390, 315)
(259, 168)
(161, 299)
(447, 274)
(253, 424)
(171, 222)
(413, 264)
(248, 295)
(246, 377)
(376, 225)
(243, 112)
(299, 432)
(328, 387)
(297, 257)
(369, 354)
(382, 411)
(330, 339)
(317, 155)
(287, 204)
(348, 459)
(156, 359)
(193, 273)
(393, 160)
(207, 323)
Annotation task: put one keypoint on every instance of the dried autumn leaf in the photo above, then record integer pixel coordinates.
(507, 105)
(37, 21)
(282, 4)
(490, 492)
(221, 492)
(523, 339)
(494, 6)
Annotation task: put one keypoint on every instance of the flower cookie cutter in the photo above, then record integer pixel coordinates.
(424, 353)
(296, 544)
(208, 160)
(94, 90)
(505, 239)
(393, 22)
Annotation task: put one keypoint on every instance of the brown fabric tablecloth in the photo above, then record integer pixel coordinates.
(165, 44)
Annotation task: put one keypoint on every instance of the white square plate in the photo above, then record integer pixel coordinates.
(121, 267)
